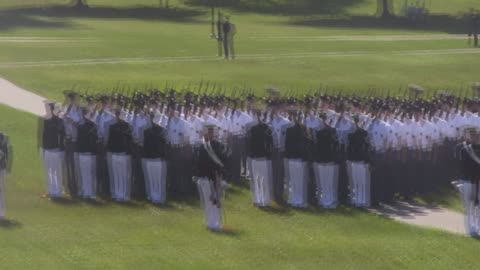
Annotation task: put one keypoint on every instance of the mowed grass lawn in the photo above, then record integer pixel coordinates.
(121, 42)
(98, 50)
(79, 235)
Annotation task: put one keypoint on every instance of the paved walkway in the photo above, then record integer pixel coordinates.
(424, 215)
(415, 214)
(21, 99)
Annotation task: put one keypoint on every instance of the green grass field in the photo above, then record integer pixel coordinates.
(133, 43)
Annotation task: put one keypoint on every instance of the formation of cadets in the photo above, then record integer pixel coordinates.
(318, 149)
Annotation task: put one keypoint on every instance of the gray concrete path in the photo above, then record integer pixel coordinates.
(424, 215)
(20, 99)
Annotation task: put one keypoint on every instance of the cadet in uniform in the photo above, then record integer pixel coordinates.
(325, 165)
(52, 147)
(119, 149)
(104, 118)
(468, 157)
(154, 163)
(296, 166)
(209, 160)
(260, 147)
(86, 157)
(72, 117)
(358, 158)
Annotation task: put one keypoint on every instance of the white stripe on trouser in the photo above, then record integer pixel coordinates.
(297, 179)
(3, 175)
(472, 215)
(120, 169)
(86, 172)
(326, 178)
(54, 168)
(155, 174)
(261, 185)
(213, 213)
(359, 175)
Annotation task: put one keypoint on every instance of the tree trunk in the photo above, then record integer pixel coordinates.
(80, 3)
(386, 9)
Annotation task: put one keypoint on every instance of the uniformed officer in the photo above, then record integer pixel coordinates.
(72, 117)
(104, 118)
(52, 148)
(119, 149)
(297, 142)
(209, 168)
(278, 125)
(358, 165)
(178, 130)
(86, 156)
(220, 34)
(260, 147)
(468, 157)
(154, 162)
(325, 164)
(5, 159)
(229, 31)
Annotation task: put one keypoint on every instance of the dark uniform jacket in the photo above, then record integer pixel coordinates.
(204, 165)
(297, 143)
(4, 151)
(87, 137)
(469, 169)
(120, 138)
(327, 147)
(226, 29)
(260, 141)
(359, 148)
(154, 142)
(53, 134)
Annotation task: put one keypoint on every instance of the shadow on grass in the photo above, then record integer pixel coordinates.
(58, 16)
(228, 231)
(436, 22)
(9, 224)
(65, 201)
(406, 210)
(281, 7)
(278, 210)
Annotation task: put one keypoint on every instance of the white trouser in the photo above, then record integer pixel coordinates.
(155, 174)
(3, 175)
(120, 172)
(86, 172)
(262, 183)
(213, 213)
(472, 212)
(297, 175)
(54, 168)
(359, 175)
(326, 178)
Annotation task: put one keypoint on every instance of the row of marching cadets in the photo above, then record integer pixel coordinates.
(357, 150)
(141, 147)
(316, 149)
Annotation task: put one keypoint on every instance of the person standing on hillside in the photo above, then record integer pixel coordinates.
(474, 27)
(220, 37)
(5, 154)
(229, 31)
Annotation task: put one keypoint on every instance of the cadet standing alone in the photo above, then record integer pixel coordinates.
(229, 31)
(4, 168)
